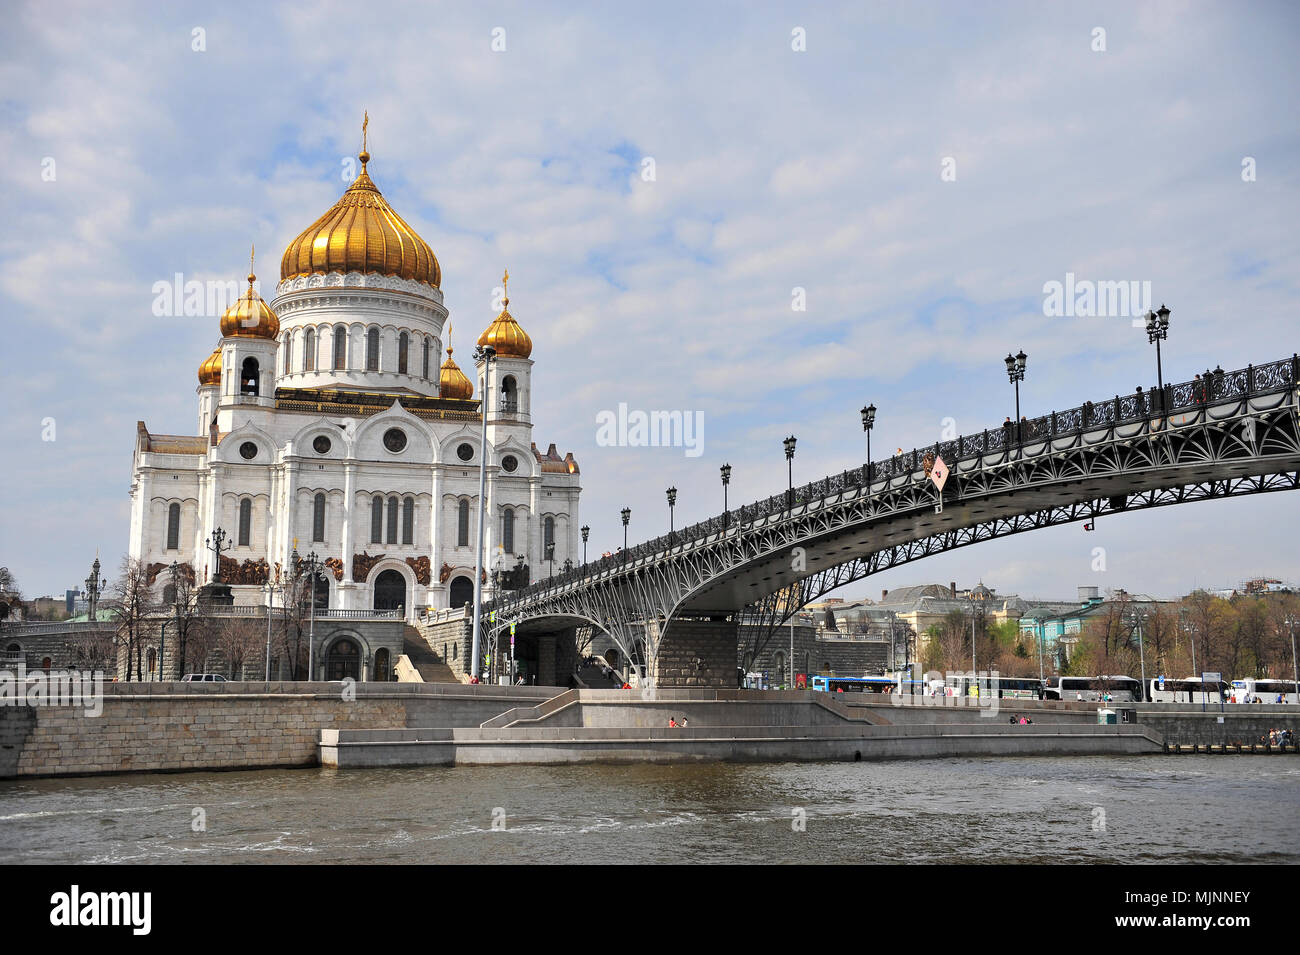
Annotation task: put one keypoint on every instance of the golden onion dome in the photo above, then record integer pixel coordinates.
(452, 382)
(250, 317)
(210, 370)
(361, 233)
(505, 334)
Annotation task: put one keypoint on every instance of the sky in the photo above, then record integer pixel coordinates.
(660, 179)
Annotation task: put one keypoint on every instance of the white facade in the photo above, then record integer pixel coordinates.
(282, 469)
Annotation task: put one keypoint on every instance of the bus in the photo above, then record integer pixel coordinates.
(1190, 690)
(1002, 687)
(1264, 691)
(854, 684)
(1122, 689)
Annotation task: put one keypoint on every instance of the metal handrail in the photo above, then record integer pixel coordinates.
(1216, 387)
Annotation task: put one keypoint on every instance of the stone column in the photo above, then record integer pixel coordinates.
(435, 536)
(349, 509)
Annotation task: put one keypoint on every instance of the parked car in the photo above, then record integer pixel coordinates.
(203, 678)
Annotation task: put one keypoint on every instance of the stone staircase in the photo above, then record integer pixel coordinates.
(424, 660)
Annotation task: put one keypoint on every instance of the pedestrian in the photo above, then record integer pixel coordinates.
(672, 722)
(683, 722)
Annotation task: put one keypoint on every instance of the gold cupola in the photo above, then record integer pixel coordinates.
(210, 370)
(505, 334)
(361, 233)
(452, 382)
(250, 317)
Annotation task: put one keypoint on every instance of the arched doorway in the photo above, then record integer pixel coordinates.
(343, 661)
(612, 658)
(383, 669)
(390, 591)
(462, 591)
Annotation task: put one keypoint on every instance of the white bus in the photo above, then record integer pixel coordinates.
(1190, 690)
(1120, 689)
(1264, 691)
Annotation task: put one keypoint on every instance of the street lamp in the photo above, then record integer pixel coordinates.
(487, 355)
(1139, 617)
(789, 460)
(550, 555)
(586, 532)
(725, 471)
(627, 516)
(1016, 372)
(868, 422)
(92, 589)
(1291, 621)
(311, 564)
(672, 502)
(214, 543)
(1158, 331)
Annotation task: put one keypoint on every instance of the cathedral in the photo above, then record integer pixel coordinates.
(329, 423)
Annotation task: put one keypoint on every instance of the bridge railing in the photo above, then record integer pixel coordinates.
(1213, 387)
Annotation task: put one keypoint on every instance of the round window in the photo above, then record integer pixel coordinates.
(395, 439)
(322, 445)
(248, 450)
(465, 452)
(510, 462)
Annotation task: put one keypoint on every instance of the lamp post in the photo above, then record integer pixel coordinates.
(1189, 629)
(1158, 331)
(215, 542)
(486, 354)
(1139, 618)
(627, 516)
(311, 564)
(586, 532)
(1291, 621)
(725, 471)
(93, 583)
(868, 422)
(672, 502)
(550, 555)
(270, 602)
(1016, 372)
(789, 460)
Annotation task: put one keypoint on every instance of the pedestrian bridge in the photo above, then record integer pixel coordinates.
(1222, 435)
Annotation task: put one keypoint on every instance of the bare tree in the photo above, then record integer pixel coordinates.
(91, 649)
(237, 639)
(130, 612)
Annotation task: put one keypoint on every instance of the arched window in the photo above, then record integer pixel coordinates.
(173, 527)
(403, 349)
(408, 521)
(318, 518)
(424, 350)
(508, 531)
(340, 348)
(288, 353)
(462, 525)
(509, 395)
(392, 520)
(372, 350)
(548, 532)
(462, 592)
(152, 657)
(249, 377)
(245, 521)
(169, 594)
(309, 350)
(377, 520)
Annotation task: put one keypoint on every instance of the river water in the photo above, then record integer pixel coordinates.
(1190, 809)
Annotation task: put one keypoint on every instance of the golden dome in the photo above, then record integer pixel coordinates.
(505, 334)
(210, 370)
(250, 317)
(452, 382)
(361, 233)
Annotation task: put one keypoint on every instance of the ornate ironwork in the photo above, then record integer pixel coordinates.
(1124, 452)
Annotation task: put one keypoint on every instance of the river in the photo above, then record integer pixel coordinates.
(1191, 809)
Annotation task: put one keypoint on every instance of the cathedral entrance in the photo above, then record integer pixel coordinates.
(343, 661)
(462, 592)
(390, 591)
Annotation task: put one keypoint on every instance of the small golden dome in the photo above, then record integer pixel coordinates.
(452, 382)
(210, 370)
(505, 334)
(361, 233)
(250, 317)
